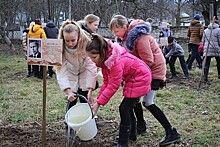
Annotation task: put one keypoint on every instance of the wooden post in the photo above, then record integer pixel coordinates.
(44, 106)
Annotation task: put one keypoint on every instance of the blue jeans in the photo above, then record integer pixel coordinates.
(194, 55)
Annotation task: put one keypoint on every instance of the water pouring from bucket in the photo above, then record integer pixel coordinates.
(81, 119)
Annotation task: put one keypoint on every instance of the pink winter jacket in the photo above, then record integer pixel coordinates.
(119, 66)
(146, 48)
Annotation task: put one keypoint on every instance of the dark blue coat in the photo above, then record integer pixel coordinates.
(51, 30)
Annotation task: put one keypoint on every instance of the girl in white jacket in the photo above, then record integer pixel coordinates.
(77, 73)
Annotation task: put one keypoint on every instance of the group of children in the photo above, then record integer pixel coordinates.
(137, 62)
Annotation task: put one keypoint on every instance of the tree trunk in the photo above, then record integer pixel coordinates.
(6, 39)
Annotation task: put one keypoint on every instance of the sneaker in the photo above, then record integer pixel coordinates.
(171, 137)
(185, 77)
(30, 75)
(172, 76)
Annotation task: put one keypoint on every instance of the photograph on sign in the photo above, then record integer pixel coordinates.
(35, 49)
(44, 51)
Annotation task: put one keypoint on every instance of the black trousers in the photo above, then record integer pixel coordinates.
(207, 64)
(195, 55)
(126, 111)
(182, 63)
(84, 93)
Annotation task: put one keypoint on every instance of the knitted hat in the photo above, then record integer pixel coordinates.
(197, 17)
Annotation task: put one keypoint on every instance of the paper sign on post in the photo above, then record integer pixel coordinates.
(44, 51)
(163, 41)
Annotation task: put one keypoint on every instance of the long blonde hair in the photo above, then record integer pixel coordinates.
(70, 26)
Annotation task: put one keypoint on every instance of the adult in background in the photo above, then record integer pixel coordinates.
(137, 39)
(214, 47)
(195, 32)
(165, 32)
(36, 31)
(51, 31)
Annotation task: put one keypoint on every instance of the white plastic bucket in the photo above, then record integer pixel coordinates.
(80, 119)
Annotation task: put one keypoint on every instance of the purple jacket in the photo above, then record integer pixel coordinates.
(119, 66)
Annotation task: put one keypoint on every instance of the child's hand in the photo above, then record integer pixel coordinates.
(71, 97)
(95, 108)
(90, 97)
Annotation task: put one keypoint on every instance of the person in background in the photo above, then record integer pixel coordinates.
(78, 73)
(176, 51)
(90, 24)
(149, 22)
(36, 31)
(201, 49)
(24, 43)
(194, 33)
(138, 41)
(51, 32)
(117, 65)
(214, 47)
(165, 32)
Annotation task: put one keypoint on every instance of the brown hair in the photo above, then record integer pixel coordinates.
(118, 21)
(37, 21)
(70, 26)
(98, 45)
(90, 18)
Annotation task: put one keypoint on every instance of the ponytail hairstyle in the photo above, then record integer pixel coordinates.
(69, 26)
(98, 45)
(118, 21)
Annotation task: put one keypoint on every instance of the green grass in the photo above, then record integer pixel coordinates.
(194, 112)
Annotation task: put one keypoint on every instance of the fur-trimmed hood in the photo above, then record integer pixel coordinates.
(134, 34)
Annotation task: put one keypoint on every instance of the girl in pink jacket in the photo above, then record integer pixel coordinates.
(135, 35)
(118, 65)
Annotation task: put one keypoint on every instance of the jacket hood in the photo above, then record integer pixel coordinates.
(215, 25)
(114, 52)
(134, 34)
(194, 21)
(50, 24)
(84, 27)
(35, 28)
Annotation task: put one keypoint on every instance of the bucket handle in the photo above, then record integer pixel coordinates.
(85, 99)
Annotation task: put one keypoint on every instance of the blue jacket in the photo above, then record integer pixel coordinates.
(174, 50)
(51, 30)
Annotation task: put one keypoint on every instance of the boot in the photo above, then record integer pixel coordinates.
(172, 136)
(141, 127)
(124, 133)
